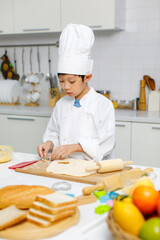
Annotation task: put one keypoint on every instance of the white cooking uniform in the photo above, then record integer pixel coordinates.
(92, 125)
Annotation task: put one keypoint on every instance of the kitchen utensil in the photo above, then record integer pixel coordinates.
(49, 75)
(31, 72)
(109, 165)
(15, 60)
(23, 78)
(22, 164)
(154, 101)
(142, 97)
(40, 74)
(86, 199)
(150, 82)
(40, 169)
(61, 185)
(117, 181)
(55, 82)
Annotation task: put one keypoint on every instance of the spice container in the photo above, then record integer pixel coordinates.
(104, 93)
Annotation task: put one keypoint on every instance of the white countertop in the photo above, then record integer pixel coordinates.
(90, 227)
(45, 111)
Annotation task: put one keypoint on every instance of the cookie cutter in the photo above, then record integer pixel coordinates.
(46, 159)
(62, 185)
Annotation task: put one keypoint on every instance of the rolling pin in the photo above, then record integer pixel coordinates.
(117, 181)
(109, 165)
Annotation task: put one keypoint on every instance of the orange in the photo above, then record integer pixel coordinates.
(146, 199)
(158, 206)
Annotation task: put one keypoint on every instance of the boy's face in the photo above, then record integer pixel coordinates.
(73, 85)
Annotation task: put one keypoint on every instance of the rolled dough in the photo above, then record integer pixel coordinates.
(72, 167)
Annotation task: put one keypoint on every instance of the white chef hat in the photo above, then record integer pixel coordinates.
(75, 45)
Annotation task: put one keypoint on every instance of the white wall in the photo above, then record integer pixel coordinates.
(120, 58)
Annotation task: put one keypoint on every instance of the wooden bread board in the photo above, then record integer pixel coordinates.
(29, 231)
(39, 168)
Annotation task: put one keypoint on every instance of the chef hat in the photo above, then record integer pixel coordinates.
(75, 45)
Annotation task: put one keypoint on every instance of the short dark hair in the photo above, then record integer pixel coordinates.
(82, 76)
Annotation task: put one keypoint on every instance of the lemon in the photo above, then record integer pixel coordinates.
(125, 214)
(128, 200)
(145, 181)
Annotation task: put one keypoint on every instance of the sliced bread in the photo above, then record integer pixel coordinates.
(38, 221)
(10, 216)
(52, 210)
(22, 196)
(49, 217)
(56, 199)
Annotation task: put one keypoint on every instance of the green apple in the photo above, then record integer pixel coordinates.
(150, 229)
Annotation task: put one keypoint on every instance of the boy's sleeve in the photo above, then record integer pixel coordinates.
(103, 145)
(52, 130)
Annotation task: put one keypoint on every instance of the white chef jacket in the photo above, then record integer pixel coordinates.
(92, 125)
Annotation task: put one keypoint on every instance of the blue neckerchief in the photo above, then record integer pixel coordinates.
(77, 103)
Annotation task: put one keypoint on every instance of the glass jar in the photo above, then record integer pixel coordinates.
(105, 93)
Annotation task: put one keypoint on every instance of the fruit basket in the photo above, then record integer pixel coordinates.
(117, 232)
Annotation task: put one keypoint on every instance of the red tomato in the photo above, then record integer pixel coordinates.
(146, 199)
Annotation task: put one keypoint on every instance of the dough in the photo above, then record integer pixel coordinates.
(72, 167)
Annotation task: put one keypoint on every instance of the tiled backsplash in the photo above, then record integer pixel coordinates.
(121, 58)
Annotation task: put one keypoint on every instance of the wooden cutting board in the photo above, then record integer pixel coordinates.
(27, 230)
(39, 168)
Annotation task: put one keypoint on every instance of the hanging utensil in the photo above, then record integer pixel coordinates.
(16, 76)
(23, 76)
(49, 75)
(40, 74)
(31, 61)
(15, 60)
(55, 82)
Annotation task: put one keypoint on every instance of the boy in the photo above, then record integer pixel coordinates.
(82, 124)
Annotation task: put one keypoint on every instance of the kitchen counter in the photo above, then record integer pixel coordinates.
(90, 227)
(45, 111)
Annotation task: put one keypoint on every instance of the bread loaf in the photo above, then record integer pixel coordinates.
(22, 196)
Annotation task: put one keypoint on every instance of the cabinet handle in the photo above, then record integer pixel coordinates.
(1, 31)
(156, 128)
(18, 118)
(95, 26)
(35, 29)
(120, 125)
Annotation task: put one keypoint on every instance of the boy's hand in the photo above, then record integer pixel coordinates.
(64, 151)
(43, 148)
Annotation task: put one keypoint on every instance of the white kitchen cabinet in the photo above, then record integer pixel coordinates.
(102, 14)
(22, 132)
(146, 144)
(123, 140)
(36, 16)
(6, 16)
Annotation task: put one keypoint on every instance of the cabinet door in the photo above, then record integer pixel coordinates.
(22, 132)
(6, 16)
(36, 16)
(123, 140)
(96, 14)
(146, 144)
